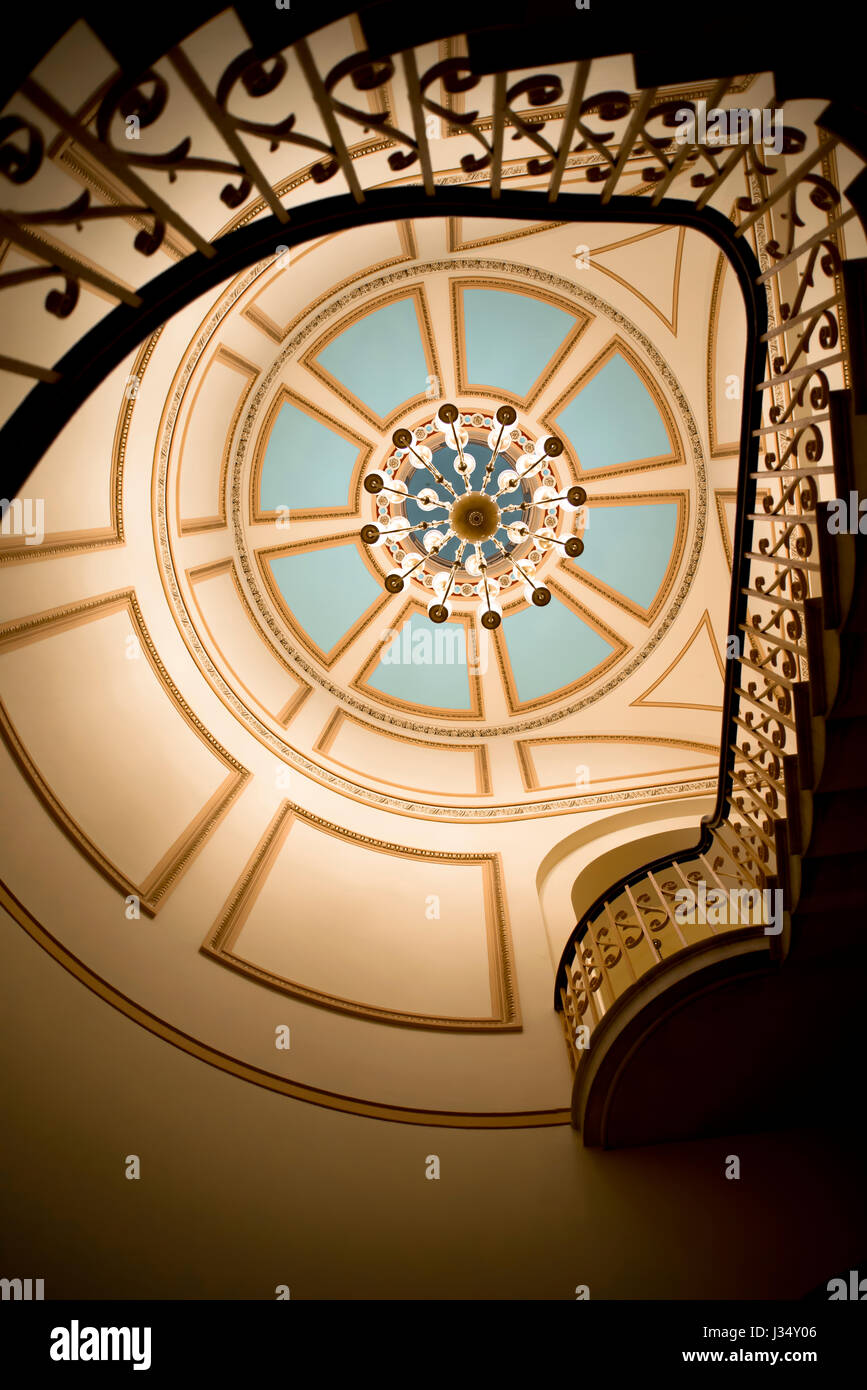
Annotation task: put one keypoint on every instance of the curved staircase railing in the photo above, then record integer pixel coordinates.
(135, 202)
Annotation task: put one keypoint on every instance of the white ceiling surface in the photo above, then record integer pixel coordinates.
(142, 773)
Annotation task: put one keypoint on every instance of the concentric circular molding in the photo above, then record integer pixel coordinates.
(296, 659)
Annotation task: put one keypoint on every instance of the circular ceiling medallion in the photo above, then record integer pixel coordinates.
(478, 411)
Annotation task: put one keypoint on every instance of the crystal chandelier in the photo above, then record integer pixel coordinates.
(496, 530)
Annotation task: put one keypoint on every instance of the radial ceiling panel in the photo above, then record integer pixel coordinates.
(425, 666)
(288, 480)
(380, 358)
(630, 547)
(509, 338)
(550, 648)
(326, 590)
(613, 418)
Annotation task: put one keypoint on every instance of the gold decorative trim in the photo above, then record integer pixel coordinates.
(257, 1076)
(530, 779)
(228, 358)
(308, 359)
(223, 937)
(100, 538)
(518, 706)
(670, 323)
(359, 682)
(729, 494)
(392, 719)
(455, 244)
(615, 345)
(582, 320)
(272, 330)
(174, 863)
(365, 452)
(211, 570)
(325, 742)
(717, 450)
(704, 622)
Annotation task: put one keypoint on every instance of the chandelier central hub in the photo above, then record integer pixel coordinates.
(475, 517)
(496, 530)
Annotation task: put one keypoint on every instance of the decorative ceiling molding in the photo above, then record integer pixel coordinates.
(365, 452)
(258, 1076)
(617, 346)
(212, 570)
(223, 937)
(309, 359)
(670, 318)
(465, 387)
(363, 621)
(476, 708)
(101, 538)
(501, 647)
(529, 776)
(173, 864)
(717, 449)
(705, 627)
(249, 372)
(456, 243)
(575, 570)
(306, 669)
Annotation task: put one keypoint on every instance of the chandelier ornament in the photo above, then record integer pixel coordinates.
(477, 549)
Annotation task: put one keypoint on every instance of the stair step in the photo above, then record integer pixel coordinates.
(831, 885)
(851, 700)
(845, 761)
(838, 825)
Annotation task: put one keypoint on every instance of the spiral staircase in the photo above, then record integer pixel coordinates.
(670, 1035)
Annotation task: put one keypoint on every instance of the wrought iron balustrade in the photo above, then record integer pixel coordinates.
(373, 133)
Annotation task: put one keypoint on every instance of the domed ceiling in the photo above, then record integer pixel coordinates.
(261, 495)
(273, 792)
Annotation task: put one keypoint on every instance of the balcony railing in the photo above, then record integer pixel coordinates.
(775, 684)
(143, 196)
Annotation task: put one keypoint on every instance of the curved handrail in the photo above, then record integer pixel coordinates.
(755, 781)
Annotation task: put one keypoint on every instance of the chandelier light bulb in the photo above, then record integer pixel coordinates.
(544, 494)
(419, 456)
(508, 480)
(433, 540)
(428, 499)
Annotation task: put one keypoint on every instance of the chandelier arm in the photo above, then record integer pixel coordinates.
(460, 450)
(457, 562)
(493, 459)
(408, 530)
(435, 473)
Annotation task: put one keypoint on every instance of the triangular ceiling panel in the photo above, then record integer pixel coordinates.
(649, 264)
(466, 233)
(695, 678)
